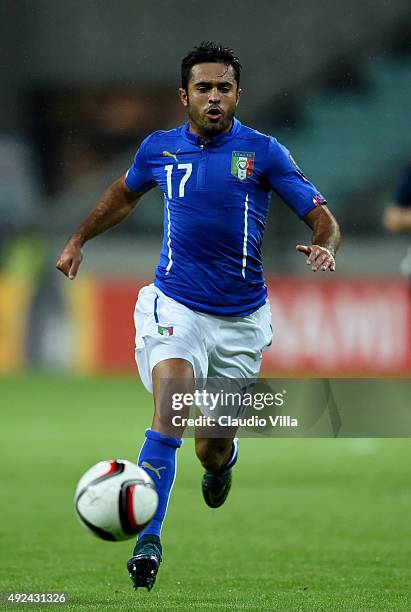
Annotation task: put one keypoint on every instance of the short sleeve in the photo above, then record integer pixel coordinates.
(139, 176)
(403, 195)
(289, 182)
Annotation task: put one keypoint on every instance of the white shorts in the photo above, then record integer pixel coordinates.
(226, 347)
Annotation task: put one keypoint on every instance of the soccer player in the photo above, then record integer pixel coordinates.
(397, 216)
(206, 314)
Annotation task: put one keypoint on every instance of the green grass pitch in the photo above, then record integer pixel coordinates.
(314, 524)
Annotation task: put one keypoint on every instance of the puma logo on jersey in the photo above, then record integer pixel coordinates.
(173, 155)
(148, 466)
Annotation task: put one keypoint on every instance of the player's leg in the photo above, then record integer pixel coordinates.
(218, 456)
(158, 457)
(213, 453)
(237, 356)
(168, 355)
(158, 453)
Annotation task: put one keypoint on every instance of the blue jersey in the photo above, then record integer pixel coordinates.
(216, 198)
(403, 196)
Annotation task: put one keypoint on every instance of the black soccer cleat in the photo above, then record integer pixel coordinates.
(216, 487)
(143, 565)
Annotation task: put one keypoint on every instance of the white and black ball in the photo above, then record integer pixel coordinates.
(115, 499)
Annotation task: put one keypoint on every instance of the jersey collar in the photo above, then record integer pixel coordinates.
(213, 142)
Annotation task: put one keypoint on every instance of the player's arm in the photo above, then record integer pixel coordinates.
(397, 218)
(114, 206)
(325, 239)
(290, 183)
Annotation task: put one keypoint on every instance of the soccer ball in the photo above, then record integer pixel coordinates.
(115, 499)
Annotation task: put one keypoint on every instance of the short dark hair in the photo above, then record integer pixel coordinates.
(209, 52)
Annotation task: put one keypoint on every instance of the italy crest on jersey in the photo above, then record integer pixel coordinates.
(242, 164)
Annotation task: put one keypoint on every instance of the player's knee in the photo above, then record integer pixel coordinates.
(212, 454)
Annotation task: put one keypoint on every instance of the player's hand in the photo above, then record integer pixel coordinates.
(393, 218)
(70, 260)
(318, 257)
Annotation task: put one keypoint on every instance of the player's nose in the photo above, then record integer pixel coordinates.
(214, 96)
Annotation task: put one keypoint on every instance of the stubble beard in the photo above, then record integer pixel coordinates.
(205, 127)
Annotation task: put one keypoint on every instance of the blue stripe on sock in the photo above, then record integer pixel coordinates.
(155, 309)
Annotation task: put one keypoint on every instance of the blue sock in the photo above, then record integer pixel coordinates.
(232, 460)
(158, 458)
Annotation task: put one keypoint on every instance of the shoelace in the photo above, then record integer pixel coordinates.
(149, 548)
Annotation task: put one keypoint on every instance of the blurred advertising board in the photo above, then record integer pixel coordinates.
(338, 327)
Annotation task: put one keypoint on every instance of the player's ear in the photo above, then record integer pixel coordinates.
(238, 95)
(183, 96)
